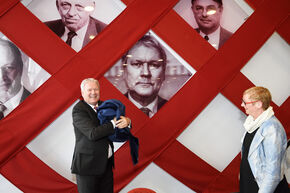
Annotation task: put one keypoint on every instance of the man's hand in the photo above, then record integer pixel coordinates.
(123, 122)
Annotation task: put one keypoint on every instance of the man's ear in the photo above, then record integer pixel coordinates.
(94, 6)
(192, 7)
(57, 4)
(221, 8)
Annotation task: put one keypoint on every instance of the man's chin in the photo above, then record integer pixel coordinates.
(144, 94)
(205, 27)
(95, 101)
(71, 26)
(144, 91)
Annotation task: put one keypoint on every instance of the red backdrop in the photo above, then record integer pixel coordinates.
(217, 71)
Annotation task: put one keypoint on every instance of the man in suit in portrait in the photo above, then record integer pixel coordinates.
(144, 68)
(207, 14)
(93, 156)
(76, 26)
(12, 92)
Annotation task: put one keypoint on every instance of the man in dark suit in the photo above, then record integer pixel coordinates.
(76, 26)
(12, 92)
(144, 68)
(93, 156)
(207, 14)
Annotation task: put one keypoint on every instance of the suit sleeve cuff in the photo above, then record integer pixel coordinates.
(114, 125)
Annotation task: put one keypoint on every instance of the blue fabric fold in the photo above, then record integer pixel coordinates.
(114, 108)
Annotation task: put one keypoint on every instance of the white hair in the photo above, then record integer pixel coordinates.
(85, 81)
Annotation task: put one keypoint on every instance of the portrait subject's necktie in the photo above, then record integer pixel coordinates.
(145, 110)
(206, 38)
(2, 109)
(70, 36)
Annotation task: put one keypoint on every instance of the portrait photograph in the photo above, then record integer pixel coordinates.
(76, 22)
(20, 76)
(215, 20)
(149, 74)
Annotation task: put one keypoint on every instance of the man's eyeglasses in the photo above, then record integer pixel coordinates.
(245, 103)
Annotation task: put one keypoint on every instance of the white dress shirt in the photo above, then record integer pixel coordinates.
(77, 41)
(13, 102)
(110, 151)
(213, 38)
(153, 107)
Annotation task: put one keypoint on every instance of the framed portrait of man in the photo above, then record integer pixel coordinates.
(76, 22)
(20, 76)
(149, 74)
(214, 20)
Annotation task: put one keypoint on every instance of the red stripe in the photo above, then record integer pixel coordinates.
(187, 167)
(164, 127)
(9, 133)
(27, 172)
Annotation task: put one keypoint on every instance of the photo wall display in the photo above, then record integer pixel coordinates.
(20, 77)
(150, 73)
(75, 22)
(214, 20)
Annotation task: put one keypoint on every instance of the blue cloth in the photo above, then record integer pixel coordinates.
(114, 108)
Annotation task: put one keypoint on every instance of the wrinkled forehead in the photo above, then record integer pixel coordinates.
(206, 3)
(91, 85)
(77, 2)
(144, 52)
(7, 56)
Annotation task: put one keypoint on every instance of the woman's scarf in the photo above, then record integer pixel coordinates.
(251, 124)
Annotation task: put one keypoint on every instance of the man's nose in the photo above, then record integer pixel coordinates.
(72, 10)
(204, 13)
(145, 71)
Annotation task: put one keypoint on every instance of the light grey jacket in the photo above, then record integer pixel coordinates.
(266, 155)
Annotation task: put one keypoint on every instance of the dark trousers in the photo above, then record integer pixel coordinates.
(96, 183)
(282, 186)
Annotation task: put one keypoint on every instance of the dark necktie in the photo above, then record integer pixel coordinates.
(206, 38)
(70, 36)
(145, 110)
(2, 109)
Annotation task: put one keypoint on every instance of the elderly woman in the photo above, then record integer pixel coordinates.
(264, 145)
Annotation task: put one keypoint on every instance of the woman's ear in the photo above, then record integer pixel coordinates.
(259, 104)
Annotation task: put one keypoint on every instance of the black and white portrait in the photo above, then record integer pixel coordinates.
(76, 22)
(148, 75)
(214, 20)
(19, 76)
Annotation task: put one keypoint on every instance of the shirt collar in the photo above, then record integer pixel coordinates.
(214, 38)
(152, 106)
(93, 107)
(13, 102)
(77, 41)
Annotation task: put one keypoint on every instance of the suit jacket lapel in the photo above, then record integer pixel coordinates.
(25, 94)
(91, 30)
(258, 138)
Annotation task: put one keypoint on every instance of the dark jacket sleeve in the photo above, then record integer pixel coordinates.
(87, 123)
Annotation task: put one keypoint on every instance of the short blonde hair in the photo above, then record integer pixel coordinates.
(85, 81)
(259, 93)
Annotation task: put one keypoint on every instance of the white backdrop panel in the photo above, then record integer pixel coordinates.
(270, 67)
(154, 178)
(215, 135)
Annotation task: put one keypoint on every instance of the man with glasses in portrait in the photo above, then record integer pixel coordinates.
(144, 68)
(207, 14)
(76, 26)
(12, 92)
